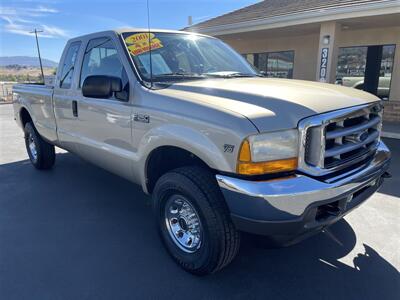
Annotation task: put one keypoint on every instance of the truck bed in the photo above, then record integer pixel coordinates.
(38, 99)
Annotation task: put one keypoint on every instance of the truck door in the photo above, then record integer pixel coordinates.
(104, 125)
(65, 95)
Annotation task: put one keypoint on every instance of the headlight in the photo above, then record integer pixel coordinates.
(269, 153)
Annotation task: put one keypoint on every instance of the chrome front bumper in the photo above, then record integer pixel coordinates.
(296, 199)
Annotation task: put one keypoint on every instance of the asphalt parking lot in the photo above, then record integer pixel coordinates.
(79, 232)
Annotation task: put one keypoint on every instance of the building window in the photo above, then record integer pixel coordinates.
(351, 63)
(386, 70)
(366, 68)
(273, 64)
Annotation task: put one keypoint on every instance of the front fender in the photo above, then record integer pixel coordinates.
(358, 83)
(200, 143)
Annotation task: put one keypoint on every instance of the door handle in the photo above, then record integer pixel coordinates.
(75, 108)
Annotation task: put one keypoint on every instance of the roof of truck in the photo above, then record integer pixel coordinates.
(131, 29)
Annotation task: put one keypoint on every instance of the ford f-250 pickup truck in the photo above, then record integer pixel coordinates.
(220, 148)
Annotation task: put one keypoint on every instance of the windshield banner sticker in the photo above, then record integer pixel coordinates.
(139, 43)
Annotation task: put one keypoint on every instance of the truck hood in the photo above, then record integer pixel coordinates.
(271, 104)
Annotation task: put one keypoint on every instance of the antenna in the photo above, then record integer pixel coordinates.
(38, 50)
(148, 29)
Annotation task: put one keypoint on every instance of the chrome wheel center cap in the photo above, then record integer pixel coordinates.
(32, 147)
(183, 223)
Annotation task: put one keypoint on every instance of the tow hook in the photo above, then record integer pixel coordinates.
(387, 175)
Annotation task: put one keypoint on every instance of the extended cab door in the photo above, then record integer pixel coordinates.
(64, 95)
(104, 128)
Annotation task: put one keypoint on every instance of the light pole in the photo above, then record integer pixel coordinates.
(37, 44)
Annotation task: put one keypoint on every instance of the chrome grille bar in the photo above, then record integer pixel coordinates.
(344, 148)
(339, 139)
(354, 129)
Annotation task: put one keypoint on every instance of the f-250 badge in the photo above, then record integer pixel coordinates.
(141, 118)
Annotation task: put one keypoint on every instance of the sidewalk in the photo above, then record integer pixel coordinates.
(391, 130)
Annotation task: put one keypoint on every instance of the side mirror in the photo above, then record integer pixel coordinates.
(100, 86)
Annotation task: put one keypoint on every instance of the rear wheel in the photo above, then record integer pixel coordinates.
(194, 221)
(41, 153)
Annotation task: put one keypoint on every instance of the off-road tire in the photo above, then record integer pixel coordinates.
(220, 240)
(45, 152)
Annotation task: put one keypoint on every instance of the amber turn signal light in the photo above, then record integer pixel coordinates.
(267, 167)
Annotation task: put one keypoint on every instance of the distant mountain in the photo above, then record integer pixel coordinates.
(26, 61)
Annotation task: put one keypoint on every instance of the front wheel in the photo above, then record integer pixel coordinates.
(41, 153)
(194, 220)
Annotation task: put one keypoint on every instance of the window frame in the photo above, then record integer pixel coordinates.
(146, 82)
(371, 45)
(267, 53)
(79, 43)
(110, 39)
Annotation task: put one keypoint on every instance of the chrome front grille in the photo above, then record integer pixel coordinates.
(339, 139)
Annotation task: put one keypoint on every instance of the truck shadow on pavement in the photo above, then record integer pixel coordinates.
(78, 232)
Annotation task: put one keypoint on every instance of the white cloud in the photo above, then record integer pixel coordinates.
(46, 9)
(22, 20)
(54, 31)
(38, 11)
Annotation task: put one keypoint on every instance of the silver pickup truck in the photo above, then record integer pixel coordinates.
(357, 82)
(220, 148)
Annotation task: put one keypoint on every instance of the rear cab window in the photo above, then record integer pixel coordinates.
(68, 67)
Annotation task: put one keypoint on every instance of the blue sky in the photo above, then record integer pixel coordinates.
(61, 20)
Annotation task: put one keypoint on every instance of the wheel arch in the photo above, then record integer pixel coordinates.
(166, 158)
(25, 116)
(177, 142)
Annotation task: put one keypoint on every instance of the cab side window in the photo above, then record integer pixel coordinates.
(101, 58)
(67, 71)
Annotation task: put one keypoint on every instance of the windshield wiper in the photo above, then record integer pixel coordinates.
(187, 75)
(229, 74)
(173, 76)
(179, 75)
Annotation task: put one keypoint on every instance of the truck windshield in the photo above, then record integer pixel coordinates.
(181, 56)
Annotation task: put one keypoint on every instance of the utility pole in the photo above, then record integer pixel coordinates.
(38, 50)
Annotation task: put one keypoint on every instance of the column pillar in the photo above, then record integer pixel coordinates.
(328, 52)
